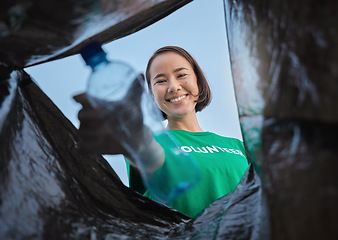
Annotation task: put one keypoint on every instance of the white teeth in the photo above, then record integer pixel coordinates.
(177, 99)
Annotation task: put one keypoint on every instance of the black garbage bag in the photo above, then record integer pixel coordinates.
(50, 190)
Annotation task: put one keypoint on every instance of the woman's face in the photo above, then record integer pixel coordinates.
(173, 85)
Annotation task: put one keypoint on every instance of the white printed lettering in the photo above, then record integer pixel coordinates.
(212, 149)
(221, 149)
(203, 150)
(232, 150)
(240, 153)
(198, 151)
(186, 148)
(227, 150)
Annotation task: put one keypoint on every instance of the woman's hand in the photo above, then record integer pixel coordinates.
(95, 135)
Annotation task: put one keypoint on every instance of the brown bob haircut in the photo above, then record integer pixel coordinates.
(204, 98)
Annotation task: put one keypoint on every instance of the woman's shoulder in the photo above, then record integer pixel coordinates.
(227, 140)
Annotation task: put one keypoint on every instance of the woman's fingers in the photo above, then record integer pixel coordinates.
(95, 136)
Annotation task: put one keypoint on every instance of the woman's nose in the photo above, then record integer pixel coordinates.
(174, 85)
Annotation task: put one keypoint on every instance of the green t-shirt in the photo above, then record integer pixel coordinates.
(222, 163)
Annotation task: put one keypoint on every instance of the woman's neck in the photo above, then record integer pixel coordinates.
(188, 123)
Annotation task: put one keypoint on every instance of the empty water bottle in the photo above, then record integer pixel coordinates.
(119, 93)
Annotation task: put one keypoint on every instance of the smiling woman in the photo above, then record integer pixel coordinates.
(176, 88)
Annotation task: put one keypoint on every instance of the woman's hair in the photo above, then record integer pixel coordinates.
(204, 94)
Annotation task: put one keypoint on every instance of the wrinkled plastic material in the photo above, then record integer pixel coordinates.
(36, 31)
(300, 172)
(284, 58)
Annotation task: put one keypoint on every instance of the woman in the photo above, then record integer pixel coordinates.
(180, 89)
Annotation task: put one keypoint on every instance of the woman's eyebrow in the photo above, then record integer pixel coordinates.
(159, 75)
(179, 69)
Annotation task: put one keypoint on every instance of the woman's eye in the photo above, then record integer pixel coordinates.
(160, 81)
(182, 75)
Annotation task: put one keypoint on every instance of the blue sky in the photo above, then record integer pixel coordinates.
(199, 27)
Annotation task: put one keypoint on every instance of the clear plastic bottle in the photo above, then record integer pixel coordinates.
(120, 94)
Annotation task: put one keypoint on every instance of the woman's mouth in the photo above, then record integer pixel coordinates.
(173, 100)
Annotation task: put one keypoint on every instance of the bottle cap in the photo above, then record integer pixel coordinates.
(93, 54)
